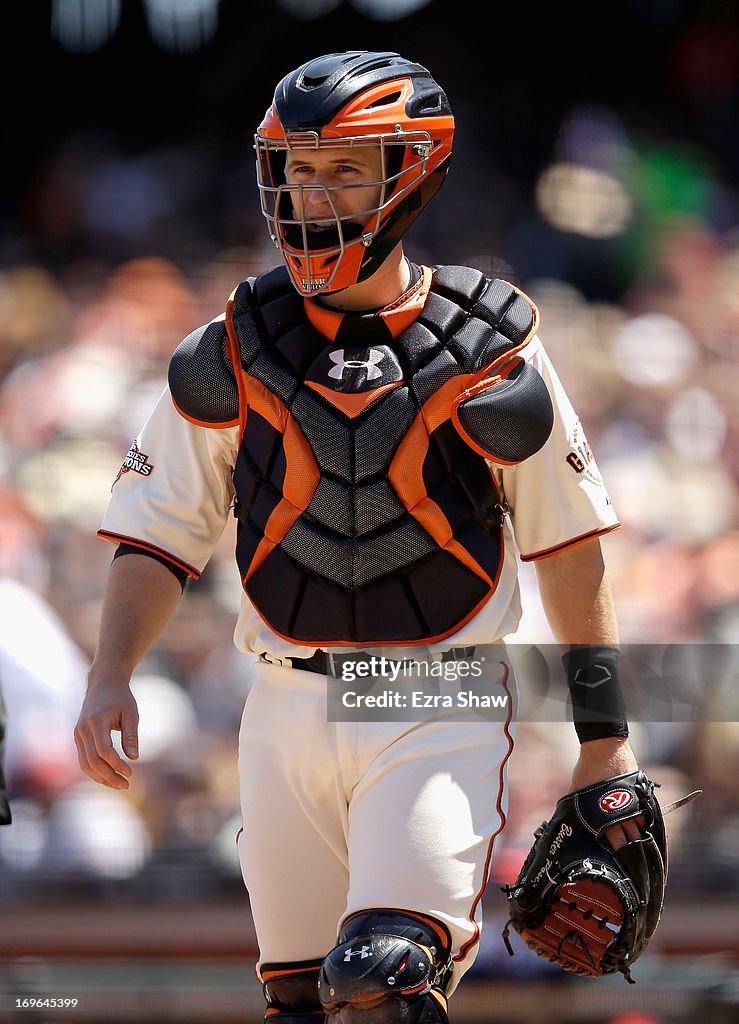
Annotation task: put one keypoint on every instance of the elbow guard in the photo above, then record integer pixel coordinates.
(506, 419)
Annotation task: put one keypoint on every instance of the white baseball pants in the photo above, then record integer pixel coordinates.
(348, 816)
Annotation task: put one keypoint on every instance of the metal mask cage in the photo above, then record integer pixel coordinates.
(302, 238)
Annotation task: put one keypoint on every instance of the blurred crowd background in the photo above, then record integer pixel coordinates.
(595, 166)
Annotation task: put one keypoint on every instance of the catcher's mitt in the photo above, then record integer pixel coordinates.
(579, 903)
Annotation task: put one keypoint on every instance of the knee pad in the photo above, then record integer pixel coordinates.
(388, 967)
(508, 419)
(291, 992)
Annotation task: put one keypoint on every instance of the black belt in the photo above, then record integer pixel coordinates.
(319, 663)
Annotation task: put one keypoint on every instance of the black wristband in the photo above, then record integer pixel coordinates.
(597, 701)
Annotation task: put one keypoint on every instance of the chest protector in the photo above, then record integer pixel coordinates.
(364, 516)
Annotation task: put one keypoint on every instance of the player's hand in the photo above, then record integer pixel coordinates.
(603, 759)
(107, 707)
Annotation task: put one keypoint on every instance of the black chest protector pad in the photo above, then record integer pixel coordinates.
(365, 516)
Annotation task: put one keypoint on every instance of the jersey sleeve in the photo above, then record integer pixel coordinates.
(557, 497)
(173, 493)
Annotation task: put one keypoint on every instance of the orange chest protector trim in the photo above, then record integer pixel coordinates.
(364, 516)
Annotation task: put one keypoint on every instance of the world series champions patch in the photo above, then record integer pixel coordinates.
(135, 461)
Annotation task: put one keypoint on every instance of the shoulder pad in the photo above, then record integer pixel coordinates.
(511, 312)
(496, 301)
(464, 305)
(264, 308)
(254, 292)
(243, 296)
(462, 285)
(272, 284)
(201, 378)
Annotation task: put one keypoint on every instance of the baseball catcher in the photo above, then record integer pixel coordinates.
(578, 902)
(391, 438)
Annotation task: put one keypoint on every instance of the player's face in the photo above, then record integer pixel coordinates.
(359, 168)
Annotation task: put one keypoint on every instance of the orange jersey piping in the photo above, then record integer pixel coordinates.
(120, 538)
(570, 543)
(233, 351)
(204, 423)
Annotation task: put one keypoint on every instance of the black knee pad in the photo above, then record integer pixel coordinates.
(388, 967)
(291, 992)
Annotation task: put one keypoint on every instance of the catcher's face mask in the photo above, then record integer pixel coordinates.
(336, 222)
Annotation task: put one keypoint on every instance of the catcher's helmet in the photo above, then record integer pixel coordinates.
(352, 99)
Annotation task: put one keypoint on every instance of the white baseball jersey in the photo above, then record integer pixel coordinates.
(174, 496)
(343, 816)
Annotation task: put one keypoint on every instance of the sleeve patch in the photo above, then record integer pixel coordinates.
(134, 462)
(580, 457)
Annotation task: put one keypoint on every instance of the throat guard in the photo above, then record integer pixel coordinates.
(365, 517)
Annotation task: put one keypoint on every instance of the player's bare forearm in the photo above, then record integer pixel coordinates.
(577, 600)
(576, 596)
(140, 597)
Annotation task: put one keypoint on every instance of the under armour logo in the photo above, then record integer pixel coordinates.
(363, 952)
(370, 365)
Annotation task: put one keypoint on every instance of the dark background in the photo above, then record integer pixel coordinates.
(665, 70)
